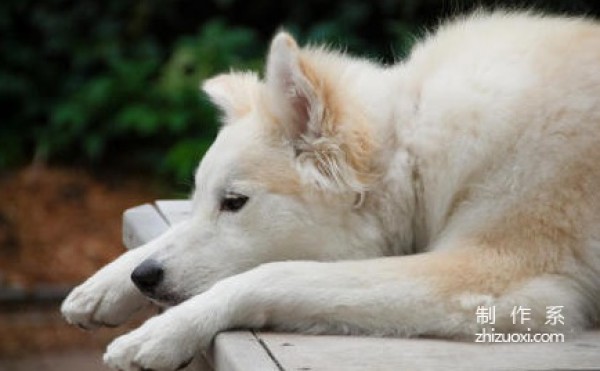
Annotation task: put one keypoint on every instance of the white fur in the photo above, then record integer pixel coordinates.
(482, 156)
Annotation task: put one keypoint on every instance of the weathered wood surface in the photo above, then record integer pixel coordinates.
(332, 353)
(241, 351)
(142, 224)
(263, 351)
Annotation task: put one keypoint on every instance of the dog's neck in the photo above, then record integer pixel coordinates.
(396, 198)
(394, 201)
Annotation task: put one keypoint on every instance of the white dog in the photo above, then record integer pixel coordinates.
(342, 196)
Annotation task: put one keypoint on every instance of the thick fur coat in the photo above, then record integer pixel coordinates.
(342, 196)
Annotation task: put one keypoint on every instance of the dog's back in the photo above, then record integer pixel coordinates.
(506, 128)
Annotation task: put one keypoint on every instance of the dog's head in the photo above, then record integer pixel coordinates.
(284, 180)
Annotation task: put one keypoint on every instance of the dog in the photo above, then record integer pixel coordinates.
(347, 197)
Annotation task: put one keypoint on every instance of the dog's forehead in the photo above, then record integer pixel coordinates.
(246, 157)
(228, 155)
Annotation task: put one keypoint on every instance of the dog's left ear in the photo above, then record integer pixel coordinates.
(233, 93)
(333, 146)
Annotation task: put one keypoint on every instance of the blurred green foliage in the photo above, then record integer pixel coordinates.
(82, 86)
(156, 104)
(115, 83)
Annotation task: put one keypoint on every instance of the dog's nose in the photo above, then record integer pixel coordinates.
(147, 275)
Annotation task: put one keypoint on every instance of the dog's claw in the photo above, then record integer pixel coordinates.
(103, 324)
(185, 364)
(83, 327)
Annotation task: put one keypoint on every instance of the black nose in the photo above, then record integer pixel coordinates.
(147, 275)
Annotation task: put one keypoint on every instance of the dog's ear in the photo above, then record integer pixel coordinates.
(294, 98)
(331, 143)
(233, 93)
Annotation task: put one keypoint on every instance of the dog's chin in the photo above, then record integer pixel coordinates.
(165, 299)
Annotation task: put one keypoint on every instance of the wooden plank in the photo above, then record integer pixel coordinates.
(332, 353)
(241, 351)
(142, 224)
(174, 211)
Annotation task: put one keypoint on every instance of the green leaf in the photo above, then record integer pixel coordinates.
(98, 91)
(182, 158)
(138, 118)
(94, 146)
(68, 117)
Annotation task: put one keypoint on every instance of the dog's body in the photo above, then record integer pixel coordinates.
(481, 154)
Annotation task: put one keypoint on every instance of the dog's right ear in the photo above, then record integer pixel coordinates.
(295, 99)
(332, 147)
(233, 93)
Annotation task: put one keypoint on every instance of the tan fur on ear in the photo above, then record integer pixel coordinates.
(329, 133)
(234, 93)
(341, 149)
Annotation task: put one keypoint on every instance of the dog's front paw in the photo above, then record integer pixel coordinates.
(163, 343)
(105, 299)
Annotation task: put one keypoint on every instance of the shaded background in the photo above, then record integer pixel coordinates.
(101, 111)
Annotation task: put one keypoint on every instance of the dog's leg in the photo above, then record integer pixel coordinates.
(434, 293)
(109, 297)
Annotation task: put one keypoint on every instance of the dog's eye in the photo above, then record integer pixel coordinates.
(233, 202)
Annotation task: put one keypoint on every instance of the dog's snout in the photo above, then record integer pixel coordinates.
(147, 275)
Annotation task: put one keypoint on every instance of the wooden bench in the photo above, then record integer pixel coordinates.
(265, 351)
